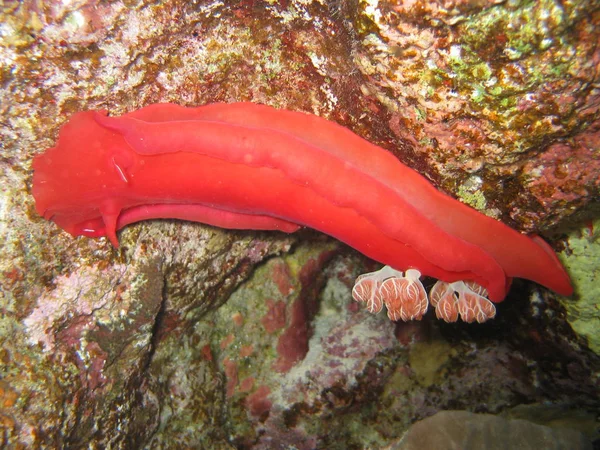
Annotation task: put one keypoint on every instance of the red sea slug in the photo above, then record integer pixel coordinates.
(245, 165)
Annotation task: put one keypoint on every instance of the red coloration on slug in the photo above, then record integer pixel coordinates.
(244, 165)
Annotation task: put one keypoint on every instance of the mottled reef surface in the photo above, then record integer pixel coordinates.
(189, 336)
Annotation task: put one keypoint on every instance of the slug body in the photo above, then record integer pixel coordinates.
(250, 166)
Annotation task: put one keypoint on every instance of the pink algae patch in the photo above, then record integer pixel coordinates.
(246, 350)
(353, 307)
(282, 277)
(207, 353)
(566, 172)
(258, 403)
(246, 384)
(293, 343)
(238, 319)
(92, 376)
(227, 341)
(274, 319)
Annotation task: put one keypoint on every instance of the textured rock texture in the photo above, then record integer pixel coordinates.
(193, 337)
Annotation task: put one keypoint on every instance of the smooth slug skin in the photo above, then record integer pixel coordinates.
(250, 166)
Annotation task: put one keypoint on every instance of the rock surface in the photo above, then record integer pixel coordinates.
(189, 336)
(461, 430)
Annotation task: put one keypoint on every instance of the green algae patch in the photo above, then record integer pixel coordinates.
(427, 360)
(472, 195)
(581, 261)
